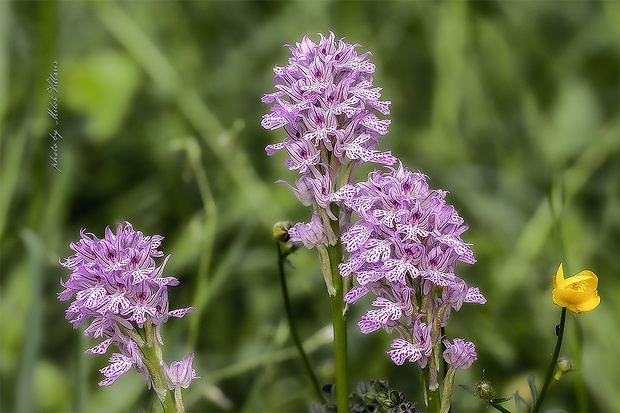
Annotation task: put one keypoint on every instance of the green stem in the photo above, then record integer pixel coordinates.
(289, 315)
(155, 368)
(340, 330)
(554, 360)
(499, 407)
(431, 397)
(154, 362)
(178, 400)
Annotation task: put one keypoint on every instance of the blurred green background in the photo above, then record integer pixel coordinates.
(510, 106)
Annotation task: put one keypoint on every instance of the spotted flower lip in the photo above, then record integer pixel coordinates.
(577, 293)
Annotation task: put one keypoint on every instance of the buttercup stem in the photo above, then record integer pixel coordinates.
(289, 315)
(554, 360)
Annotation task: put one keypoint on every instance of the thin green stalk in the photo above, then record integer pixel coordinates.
(554, 360)
(340, 330)
(289, 315)
(499, 407)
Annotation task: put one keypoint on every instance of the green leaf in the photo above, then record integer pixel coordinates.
(521, 404)
(468, 389)
(531, 381)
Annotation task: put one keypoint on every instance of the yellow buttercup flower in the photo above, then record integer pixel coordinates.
(578, 293)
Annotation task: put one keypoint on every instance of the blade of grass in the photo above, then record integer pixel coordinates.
(538, 228)
(313, 343)
(25, 402)
(202, 284)
(220, 141)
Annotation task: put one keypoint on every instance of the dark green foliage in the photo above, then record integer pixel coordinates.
(374, 396)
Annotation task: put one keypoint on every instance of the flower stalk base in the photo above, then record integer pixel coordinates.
(153, 360)
(340, 330)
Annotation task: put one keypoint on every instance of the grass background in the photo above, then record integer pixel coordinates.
(510, 106)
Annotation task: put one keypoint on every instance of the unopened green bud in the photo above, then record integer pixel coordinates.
(378, 385)
(280, 231)
(382, 397)
(331, 408)
(483, 390)
(564, 365)
(369, 398)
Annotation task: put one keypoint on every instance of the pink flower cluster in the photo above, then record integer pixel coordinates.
(116, 284)
(403, 250)
(326, 104)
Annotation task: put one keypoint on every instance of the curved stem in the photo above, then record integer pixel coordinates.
(289, 315)
(554, 360)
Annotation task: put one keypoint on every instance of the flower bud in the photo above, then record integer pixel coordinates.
(564, 365)
(382, 398)
(483, 390)
(280, 231)
(369, 398)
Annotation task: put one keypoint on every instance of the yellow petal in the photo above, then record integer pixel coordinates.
(558, 278)
(576, 301)
(585, 281)
(590, 304)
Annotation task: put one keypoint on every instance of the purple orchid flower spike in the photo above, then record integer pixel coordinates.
(404, 249)
(326, 103)
(117, 286)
